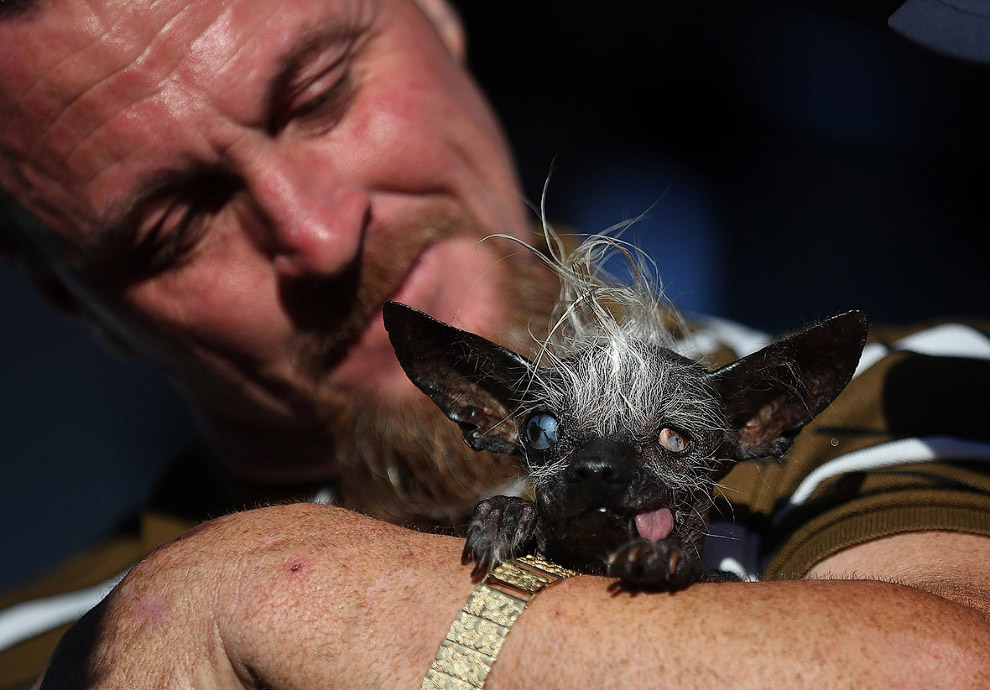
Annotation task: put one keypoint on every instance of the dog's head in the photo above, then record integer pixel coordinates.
(625, 439)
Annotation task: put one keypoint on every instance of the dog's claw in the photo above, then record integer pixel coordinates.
(653, 564)
(501, 528)
(675, 558)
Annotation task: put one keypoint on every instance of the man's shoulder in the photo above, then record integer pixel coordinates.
(903, 448)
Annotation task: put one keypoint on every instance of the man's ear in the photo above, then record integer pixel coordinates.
(448, 25)
(469, 378)
(771, 394)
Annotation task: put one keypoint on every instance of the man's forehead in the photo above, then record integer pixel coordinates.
(66, 54)
(81, 74)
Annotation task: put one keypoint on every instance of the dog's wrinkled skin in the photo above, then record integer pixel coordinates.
(622, 476)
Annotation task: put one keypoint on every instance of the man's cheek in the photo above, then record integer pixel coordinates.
(229, 309)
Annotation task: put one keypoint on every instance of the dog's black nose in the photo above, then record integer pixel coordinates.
(598, 470)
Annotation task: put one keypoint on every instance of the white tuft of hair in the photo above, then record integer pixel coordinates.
(594, 306)
(600, 362)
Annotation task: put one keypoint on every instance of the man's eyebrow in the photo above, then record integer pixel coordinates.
(305, 47)
(118, 227)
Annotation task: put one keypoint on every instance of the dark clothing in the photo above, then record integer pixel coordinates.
(905, 448)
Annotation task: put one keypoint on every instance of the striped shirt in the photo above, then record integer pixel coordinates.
(904, 448)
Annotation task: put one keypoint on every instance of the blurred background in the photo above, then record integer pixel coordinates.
(791, 160)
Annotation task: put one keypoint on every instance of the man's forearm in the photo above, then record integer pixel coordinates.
(746, 635)
(306, 596)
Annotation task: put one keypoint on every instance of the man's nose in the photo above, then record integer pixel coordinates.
(314, 221)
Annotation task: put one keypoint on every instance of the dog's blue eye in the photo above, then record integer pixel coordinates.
(542, 431)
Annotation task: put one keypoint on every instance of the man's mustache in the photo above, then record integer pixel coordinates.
(331, 313)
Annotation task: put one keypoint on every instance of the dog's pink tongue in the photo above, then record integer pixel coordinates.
(655, 524)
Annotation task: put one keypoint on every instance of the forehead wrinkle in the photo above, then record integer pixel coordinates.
(114, 49)
(81, 30)
(147, 119)
(134, 75)
(212, 82)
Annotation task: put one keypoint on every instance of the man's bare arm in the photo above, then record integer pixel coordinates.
(313, 597)
(812, 633)
(953, 565)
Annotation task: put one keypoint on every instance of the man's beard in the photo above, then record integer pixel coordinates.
(409, 463)
(404, 460)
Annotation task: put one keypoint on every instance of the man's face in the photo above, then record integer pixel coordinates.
(238, 185)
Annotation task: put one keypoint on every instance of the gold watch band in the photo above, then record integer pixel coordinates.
(475, 637)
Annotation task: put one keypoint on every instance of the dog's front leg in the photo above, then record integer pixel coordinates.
(501, 528)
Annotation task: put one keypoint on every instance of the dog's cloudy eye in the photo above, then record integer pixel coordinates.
(541, 431)
(673, 441)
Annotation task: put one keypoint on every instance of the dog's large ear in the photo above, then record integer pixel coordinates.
(771, 394)
(471, 379)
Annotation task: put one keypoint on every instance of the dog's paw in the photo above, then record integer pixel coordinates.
(653, 564)
(499, 529)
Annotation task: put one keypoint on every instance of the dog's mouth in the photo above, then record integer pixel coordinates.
(583, 537)
(653, 524)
